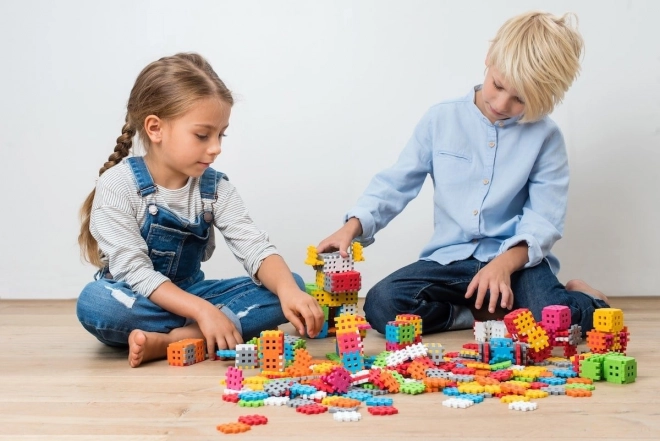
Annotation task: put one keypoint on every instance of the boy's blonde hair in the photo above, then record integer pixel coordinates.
(167, 88)
(539, 55)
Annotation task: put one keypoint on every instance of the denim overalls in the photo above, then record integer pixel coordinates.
(110, 310)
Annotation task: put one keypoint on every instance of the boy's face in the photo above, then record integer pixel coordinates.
(497, 99)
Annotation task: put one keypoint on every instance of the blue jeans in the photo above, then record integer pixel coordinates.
(110, 310)
(437, 293)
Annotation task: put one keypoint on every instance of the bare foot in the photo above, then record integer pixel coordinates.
(582, 286)
(145, 346)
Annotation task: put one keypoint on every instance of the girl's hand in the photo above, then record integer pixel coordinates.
(217, 329)
(493, 277)
(341, 239)
(303, 311)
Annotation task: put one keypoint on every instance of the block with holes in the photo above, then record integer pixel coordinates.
(247, 356)
(413, 319)
(342, 282)
(335, 263)
(186, 352)
(400, 332)
(519, 321)
(556, 317)
(619, 369)
(608, 320)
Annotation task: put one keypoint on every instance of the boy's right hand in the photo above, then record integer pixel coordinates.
(217, 329)
(341, 239)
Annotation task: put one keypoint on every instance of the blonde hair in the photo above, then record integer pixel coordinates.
(539, 55)
(167, 88)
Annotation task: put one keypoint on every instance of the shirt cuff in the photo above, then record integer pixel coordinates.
(534, 253)
(150, 283)
(368, 225)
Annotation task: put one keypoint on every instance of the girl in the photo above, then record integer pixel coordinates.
(148, 226)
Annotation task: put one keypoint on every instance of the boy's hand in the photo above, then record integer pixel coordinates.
(341, 239)
(303, 311)
(217, 329)
(494, 277)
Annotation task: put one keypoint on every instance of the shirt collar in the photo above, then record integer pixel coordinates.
(475, 109)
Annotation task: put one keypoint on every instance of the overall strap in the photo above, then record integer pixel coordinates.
(143, 179)
(208, 190)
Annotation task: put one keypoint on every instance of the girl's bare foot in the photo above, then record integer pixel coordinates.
(145, 346)
(582, 286)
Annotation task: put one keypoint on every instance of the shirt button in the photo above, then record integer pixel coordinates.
(486, 181)
(501, 124)
(491, 144)
(475, 212)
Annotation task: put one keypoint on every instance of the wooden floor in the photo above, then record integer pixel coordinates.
(58, 383)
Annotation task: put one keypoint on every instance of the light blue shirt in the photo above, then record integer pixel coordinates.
(495, 185)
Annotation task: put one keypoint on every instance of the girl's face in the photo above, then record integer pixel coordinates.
(186, 146)
(497, 99)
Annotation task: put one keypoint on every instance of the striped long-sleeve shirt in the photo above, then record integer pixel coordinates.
(118, 214)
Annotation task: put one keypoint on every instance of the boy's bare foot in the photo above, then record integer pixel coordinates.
(582, 286)
(145, 346)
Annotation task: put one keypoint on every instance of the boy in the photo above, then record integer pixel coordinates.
(500, 175)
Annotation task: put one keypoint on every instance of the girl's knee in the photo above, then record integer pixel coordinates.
(299, 281)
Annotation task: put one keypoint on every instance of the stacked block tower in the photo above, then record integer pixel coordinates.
(349, 342)
(608, 342)
(337, 283)
(609, 333)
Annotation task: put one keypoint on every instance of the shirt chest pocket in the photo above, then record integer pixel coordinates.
(451, 165)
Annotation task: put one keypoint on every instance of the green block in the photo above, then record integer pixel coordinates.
(620, 369)
(309, 287)
(592, 368)
(326, 312)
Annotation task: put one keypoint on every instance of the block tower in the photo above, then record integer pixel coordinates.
(271, 351)
(337, 283)
(349, 342)
(609, 333)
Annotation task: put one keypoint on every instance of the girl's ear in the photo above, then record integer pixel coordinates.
(153, 127)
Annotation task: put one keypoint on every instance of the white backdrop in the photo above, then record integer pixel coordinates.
(328, 93)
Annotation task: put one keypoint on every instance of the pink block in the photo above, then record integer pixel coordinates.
(556, 317)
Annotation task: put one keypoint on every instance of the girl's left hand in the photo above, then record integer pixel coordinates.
(303, 311)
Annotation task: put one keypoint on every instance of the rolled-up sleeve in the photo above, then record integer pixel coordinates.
(544, 212)
(249, 244)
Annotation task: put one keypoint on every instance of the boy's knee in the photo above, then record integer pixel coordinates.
(378, 310)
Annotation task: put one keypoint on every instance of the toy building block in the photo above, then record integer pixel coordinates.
(247, 356)
(608, 320)
(233, 427)
(556, 317)
(234, 378)
(186, 352)
(356, 249)
(253, 420)
(619, 369)
(347, 416)
(271, 350)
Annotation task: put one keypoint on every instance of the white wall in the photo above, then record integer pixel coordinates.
(328, 93)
